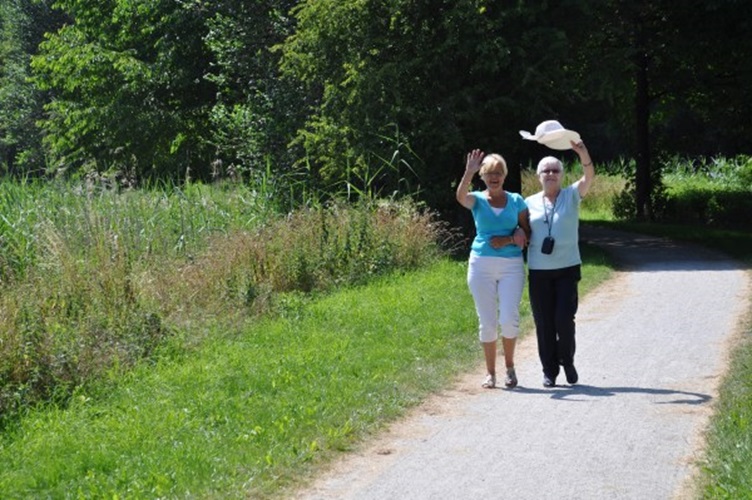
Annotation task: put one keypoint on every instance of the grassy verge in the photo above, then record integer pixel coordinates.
(254, 412)
(727, 466)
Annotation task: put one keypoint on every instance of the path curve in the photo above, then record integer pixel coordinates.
(652, 345)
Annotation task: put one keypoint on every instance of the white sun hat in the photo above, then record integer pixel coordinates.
(552, 134)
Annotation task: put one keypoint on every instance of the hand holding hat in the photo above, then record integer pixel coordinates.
(552, 134)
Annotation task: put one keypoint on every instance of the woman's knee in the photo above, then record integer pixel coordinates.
(488, 334)
(510, 330)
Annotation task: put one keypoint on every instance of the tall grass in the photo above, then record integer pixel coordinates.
(162, 221)
(597, 205)
(309, 250)
(96, 279)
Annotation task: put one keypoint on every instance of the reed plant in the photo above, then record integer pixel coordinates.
(95, 279)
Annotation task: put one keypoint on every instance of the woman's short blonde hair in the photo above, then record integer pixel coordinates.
(493, 163)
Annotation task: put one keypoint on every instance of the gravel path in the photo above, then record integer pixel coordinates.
(652, 345)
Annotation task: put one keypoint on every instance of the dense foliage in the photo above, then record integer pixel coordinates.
(386, 94)
(22, 27)
(129, 86)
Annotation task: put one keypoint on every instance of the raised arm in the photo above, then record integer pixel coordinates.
(472, 165)
(588, 170)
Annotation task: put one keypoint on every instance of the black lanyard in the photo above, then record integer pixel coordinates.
(547, 221)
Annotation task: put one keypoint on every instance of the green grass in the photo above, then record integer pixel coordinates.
(726, 470)
(250, 412)
(258, 410)
(228, 405)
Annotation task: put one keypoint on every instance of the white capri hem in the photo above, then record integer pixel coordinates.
(496, 284)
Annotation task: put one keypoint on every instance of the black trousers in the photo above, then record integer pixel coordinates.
(554, 300)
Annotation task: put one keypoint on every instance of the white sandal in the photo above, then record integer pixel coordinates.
(490, 382)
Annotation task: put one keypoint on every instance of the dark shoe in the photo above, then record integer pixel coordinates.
(571, 372)
(511, 380)
(548, 381)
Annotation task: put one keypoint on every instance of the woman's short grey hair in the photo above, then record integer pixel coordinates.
(549, 160)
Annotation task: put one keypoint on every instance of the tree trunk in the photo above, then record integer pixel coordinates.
(642, 128)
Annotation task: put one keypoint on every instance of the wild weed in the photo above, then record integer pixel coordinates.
(94, 279)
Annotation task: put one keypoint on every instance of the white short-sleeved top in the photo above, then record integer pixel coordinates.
(563, 220)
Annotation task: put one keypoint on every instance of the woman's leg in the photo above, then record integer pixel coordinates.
(509, 290)
(482, 284)
(541, 292)
(566, 308)
(489, 352)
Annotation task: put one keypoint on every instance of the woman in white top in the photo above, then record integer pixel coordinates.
(554, 262)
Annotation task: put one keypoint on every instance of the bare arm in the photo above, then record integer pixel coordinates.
(588, 170)
(522, 233)
(472, 166)
(519, 237)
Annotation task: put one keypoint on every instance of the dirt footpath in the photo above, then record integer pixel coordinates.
(652, 345)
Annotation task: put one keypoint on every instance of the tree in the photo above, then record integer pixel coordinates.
(22, 27)
(447, 75)
(256, 113)
(666, 68)
(128, 86)
(708, 111)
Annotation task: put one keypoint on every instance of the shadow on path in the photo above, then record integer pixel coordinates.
(640, 253)
(573, 393)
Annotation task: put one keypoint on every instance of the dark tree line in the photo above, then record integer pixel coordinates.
(385, 95)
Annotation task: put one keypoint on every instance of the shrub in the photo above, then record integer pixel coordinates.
(75, 319)
(715, 192)
(312, 249)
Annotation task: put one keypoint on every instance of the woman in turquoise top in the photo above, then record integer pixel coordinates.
(496, 274)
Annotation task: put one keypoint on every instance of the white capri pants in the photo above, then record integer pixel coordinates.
(496, 284)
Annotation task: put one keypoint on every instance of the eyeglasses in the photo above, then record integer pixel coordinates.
(550, 171)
